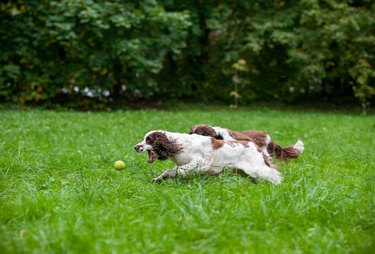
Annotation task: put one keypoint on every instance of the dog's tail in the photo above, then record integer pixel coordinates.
(285, 153)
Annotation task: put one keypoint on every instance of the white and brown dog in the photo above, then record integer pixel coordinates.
(203, 154)
(261, 138)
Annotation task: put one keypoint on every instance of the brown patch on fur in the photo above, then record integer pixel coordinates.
(239, 136)
(259, 137)
(281, 153)
(217, 144)
(205, 130)
(162, 146)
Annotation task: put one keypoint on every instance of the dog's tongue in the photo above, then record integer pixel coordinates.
(151, 156)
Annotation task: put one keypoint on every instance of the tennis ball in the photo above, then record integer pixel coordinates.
(119, 165)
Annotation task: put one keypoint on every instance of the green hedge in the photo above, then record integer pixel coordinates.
(104, 52)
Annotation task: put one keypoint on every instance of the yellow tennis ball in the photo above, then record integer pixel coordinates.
(119, 165)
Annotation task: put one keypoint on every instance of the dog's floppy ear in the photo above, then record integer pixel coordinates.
(205, 130)
(239, 136)
(197, 129)
(209, 131)
(164, 147)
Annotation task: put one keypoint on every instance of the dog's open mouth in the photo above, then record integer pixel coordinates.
(151, 156)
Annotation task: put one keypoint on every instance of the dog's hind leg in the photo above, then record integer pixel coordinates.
(263, 173)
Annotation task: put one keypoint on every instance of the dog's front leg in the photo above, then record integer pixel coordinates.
(183, 170)
(169, 173)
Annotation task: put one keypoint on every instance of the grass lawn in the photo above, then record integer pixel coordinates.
(59, 192)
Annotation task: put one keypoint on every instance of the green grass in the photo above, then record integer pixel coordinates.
(59, 192)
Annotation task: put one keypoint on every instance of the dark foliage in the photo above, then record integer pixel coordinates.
(104, 52)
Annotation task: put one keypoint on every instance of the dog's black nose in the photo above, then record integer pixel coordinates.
(137, 148)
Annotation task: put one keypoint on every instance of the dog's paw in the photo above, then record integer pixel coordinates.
(157, 180)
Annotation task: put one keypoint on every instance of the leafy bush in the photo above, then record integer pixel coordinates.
(113, 51)
(293, 51)
(101, 49)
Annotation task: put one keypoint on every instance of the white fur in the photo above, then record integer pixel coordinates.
(299, 146)
(226, 136)
(198, 154)
(222, 132)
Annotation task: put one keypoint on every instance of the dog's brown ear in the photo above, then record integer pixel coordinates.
(239, 136)
(205, 130)
(164, 147)
(209, 131)
(197, 129)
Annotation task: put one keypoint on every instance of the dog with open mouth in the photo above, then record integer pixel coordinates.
(197, 153)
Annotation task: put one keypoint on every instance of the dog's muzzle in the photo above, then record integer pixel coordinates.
(138, 148)
(151, 155)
